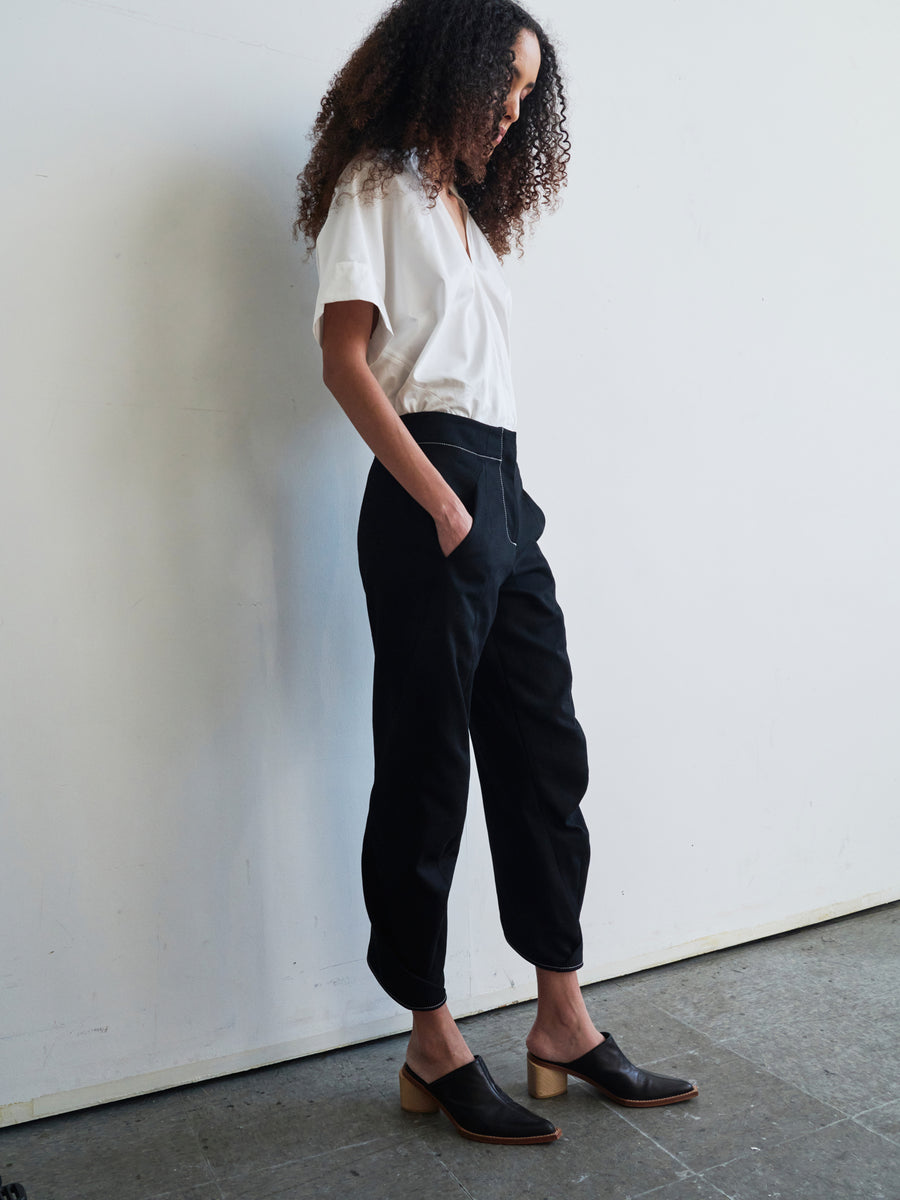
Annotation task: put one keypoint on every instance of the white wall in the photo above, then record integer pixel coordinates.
(709, 376)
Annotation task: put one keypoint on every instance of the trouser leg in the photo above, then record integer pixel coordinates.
(429, 619)
(484, 619)
(532, 764)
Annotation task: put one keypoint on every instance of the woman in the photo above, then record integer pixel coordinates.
(439, 137)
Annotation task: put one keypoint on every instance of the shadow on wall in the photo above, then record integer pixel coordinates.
(229, 774)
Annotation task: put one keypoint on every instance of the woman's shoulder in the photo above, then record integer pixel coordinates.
(375, 178)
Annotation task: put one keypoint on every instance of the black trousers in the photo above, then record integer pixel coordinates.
(473, 643)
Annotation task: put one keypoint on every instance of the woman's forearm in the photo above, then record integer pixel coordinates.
(349, 379)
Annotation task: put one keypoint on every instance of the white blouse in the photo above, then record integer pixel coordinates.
(441, 343)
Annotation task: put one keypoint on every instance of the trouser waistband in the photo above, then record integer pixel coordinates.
(489, 441)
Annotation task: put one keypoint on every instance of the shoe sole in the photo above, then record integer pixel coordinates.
(541, 1062)
(491, 1139)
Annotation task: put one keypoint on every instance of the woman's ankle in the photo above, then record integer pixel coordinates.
(562, 1028)
(556, 1044)
(436, 1045)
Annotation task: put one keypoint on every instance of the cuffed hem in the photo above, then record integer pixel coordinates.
(558, 970)
(546, 966)
(420, 986)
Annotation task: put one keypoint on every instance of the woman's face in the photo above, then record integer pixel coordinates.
(527, 63)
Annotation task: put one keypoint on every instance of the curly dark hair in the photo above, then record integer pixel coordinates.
(432, 77)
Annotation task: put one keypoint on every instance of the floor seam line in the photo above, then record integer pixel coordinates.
(623, 1116)
(875, 1108)
(459, 1183)
(773, 1146)
(877, 1132)
(693, 1175)
(660, 1187)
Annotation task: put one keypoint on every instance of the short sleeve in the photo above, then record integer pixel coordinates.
(351, 247)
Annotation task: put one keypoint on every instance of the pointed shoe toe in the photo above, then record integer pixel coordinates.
(610, 1072)
(478, 1108)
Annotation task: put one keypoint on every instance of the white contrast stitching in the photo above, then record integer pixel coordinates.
(503, 491)
(453, 446)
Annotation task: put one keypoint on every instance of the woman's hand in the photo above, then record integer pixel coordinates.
(453, 529)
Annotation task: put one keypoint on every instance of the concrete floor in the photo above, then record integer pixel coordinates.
(793, 1040)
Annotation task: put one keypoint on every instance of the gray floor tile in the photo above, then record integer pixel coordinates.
(884, 1120)
(134, 1151)
(841, 1162)
(739, 1107)
(259, 1132)
(721, 995)
(726, 994)
(401, 1171)
(820, 953)
(340, 1073)
(846, 1057)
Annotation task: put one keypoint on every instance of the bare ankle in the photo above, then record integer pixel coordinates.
(563, 1029)
(436, 1045)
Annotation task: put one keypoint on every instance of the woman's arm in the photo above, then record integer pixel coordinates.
(346, 330)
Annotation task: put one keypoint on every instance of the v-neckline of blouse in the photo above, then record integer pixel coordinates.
(464, 241)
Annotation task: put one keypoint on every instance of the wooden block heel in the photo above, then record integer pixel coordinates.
(545, 1082)
(413, 1099)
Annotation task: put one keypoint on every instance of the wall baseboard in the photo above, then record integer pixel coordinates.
(213, 1068)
